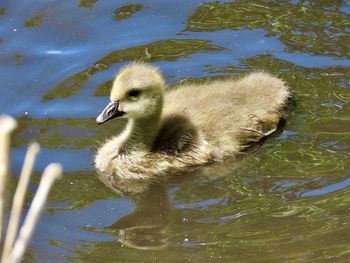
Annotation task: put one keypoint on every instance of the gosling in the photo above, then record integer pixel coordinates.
(171, 129)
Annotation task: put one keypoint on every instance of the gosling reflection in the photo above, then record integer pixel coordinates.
(147, 226)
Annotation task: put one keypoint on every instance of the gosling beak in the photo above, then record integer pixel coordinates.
(110, 112)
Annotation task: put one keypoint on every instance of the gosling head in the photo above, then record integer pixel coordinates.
(137, 93)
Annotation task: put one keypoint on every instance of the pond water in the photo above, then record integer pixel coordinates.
(287, 202)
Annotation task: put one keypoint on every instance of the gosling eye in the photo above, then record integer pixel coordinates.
(134, 94)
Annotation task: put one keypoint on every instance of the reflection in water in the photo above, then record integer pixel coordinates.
(147, 226)
(288, 202)
(223, 208)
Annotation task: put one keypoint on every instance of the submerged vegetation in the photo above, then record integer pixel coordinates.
(34, 21)
(321, 28)
(126, 11)
(287, 202)
(163, 50)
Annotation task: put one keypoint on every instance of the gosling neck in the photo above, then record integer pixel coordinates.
(141, 133)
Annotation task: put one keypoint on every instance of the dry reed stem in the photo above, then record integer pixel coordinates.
(51, 173)
(18, 199)
(7, 125)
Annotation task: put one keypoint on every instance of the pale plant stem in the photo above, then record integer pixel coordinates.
(7, 125)
(50, 174)
(18, 199)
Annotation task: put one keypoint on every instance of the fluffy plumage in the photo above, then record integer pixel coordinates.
(171, 129)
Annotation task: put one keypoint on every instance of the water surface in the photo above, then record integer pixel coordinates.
(288, 202)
